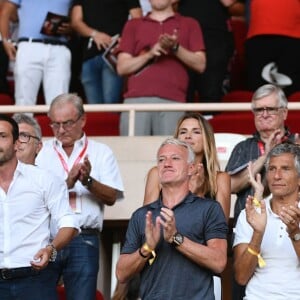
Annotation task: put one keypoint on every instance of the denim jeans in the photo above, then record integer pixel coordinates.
(78, 263)
(101, 84)
(36, 287)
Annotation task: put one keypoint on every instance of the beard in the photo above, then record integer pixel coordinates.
(5, 156)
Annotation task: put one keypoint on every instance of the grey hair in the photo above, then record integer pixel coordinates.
(27, 119)
(283, 148)
(174, 141)
(68, 98)
(267, 90)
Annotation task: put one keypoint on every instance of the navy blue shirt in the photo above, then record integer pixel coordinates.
(172, 275)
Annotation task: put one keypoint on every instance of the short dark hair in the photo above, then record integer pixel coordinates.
(14, 125)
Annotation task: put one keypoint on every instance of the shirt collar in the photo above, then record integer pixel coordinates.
(190, 197)
(78, 143)
(147, 18)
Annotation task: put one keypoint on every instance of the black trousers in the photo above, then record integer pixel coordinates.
(219, 47)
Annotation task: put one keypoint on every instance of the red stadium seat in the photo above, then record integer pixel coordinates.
(238, 96)
(6, 100)
(62, 294)
(295, 97)
(98, 124)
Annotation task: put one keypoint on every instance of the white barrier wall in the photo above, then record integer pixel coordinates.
(136, 155)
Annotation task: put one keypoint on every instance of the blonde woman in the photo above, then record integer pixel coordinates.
(208, 180)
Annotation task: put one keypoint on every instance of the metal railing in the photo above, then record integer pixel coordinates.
(133, 108)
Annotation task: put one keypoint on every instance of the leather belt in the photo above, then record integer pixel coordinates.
(43, 41)
(7, 274)
(89, 231)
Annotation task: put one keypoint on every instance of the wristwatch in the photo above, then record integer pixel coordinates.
(296, 237)
(88, 182)
(53, 252)
(177, 239)
(175, 48)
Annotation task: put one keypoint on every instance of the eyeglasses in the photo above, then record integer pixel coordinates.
(259, 111)
(25, 137)
(67, 125)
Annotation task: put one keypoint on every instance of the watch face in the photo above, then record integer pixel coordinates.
(296, 237)
(178, 239)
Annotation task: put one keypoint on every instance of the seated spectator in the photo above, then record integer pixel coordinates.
(269, 107)
(192, 248)
(30, 138)
(207, 181)
(267, 234)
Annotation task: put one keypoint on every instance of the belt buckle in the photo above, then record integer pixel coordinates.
(5, 274)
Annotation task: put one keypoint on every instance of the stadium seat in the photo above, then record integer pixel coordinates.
(237, 96)
(295, 97)
(234, 122)
(62, 294)
(6, 100)
(225, 143)
(98, 124)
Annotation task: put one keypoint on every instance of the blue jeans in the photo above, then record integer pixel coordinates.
(36, 287)
(101, 84)
(78, 263)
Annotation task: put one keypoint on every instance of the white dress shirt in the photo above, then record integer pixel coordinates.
(104, 169)
(32, 197)
(279, 279)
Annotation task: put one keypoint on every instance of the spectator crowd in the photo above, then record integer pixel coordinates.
(53, 193)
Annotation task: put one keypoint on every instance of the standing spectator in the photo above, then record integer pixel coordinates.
(267, 236)
(29, 197)
(41, 57)
(4, 60)
(273, 37)
(177, 242)
(146, 6)
(4, 63)
(155, 52)
(97, 22)
(213, 16)
(270, 110)
(30, 138)
(93, 178)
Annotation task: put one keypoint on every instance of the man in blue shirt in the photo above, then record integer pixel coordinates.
(41, 54)
(178, 242)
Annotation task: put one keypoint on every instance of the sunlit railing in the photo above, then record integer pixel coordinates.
(133, 108)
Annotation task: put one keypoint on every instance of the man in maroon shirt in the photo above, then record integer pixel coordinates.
(155, 52)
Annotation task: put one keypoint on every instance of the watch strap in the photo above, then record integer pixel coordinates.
(53, 252)
(89, 182)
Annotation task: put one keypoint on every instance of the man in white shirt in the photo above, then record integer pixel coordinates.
(28, 197)
(30, 138)
(267, 234)
(93, 178)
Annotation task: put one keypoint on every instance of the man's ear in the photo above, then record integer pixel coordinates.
(39, 147)
(191, 170)
(17, 144)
